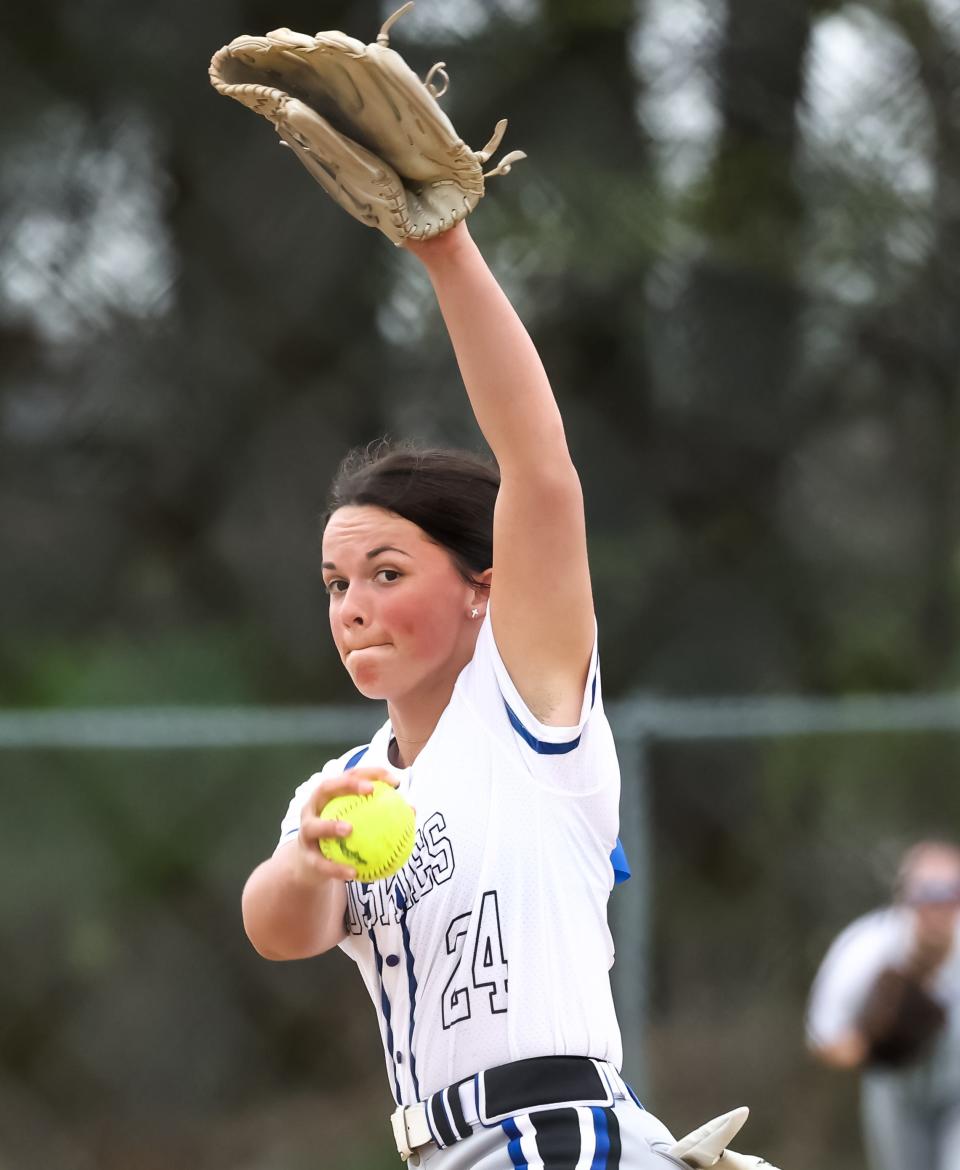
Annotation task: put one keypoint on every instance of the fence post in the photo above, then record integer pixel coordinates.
(630, 905)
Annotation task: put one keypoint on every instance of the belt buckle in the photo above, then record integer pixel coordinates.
(401, 1135)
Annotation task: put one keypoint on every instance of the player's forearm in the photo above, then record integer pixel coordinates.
(501, 369)
(291, 915)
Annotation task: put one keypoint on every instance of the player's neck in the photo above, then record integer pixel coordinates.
(415, 714)
(403, 757)
(414, 719)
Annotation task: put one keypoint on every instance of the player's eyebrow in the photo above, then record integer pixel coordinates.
(374, 552)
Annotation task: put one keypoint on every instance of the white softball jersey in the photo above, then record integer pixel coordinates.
(492, 943)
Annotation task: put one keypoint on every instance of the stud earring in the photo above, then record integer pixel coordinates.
(474, 613)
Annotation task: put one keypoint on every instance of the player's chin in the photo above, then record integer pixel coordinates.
(370, 682)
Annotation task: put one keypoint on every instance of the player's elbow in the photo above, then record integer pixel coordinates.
(260, 937)
(281, 938)
(266, 952)
(270, 944)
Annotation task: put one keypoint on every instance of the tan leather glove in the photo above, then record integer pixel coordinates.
(364, 125)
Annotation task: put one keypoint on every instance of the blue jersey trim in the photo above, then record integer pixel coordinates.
(621, 866)
(513, 1146)
(352, 762)
(385, 1009)
(412, 989)
(601, 1137)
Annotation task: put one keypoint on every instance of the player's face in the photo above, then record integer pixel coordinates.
(400, 612)
(933, 888)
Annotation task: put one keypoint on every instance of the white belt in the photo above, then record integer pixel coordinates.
(410, 1129)
(411, 1126)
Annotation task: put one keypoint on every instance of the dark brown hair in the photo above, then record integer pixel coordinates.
(450, 495)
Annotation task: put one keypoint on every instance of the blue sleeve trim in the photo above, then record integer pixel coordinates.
(546, 747)
(542, 747)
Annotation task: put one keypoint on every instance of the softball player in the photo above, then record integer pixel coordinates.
(487, 957)
(910, 1083)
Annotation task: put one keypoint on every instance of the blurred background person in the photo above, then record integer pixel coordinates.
(886, 1001)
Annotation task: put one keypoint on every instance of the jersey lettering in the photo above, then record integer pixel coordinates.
(439, 848)
(430, 864)
(365, 906)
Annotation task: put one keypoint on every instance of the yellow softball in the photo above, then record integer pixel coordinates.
(382, 836)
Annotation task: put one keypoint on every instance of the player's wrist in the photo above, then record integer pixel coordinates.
(304, 872)
(440, 250)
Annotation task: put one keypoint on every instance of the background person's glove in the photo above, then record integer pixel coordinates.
(363, 124)
(899, 1020)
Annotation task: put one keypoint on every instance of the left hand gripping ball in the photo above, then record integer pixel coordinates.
(383, 832)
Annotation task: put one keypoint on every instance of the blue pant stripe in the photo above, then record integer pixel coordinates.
(513, 1146)
(601, 1137)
